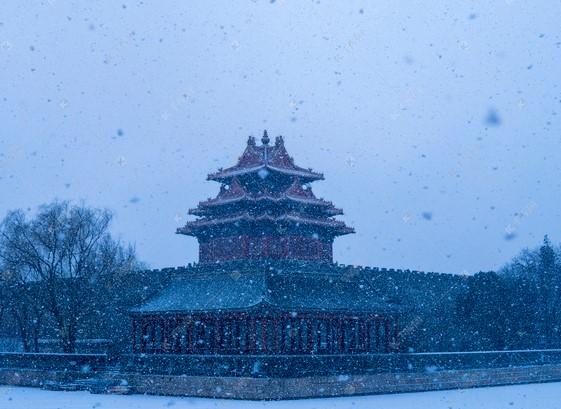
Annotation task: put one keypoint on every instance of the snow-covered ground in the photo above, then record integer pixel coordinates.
(534, 396)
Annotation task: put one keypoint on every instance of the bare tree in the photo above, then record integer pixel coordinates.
(70, 253)
(21, 299)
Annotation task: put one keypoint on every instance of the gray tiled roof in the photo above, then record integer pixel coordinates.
(290, 292)
(222, 291)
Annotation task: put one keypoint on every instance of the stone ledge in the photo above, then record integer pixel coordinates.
(295, 388)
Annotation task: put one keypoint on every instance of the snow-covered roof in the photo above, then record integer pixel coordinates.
(289, 292)
(236, 193)
(246, 217)
(266, 157)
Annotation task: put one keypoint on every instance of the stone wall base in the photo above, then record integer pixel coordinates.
(294, 388)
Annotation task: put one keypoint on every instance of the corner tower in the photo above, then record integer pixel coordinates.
(265, 210)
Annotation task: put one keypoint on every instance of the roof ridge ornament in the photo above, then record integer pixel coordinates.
(265, 139)
(279, 141)
(251, 141)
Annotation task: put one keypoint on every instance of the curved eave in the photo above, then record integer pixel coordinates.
(225, 175)
(192, 228)
(243, 308)
(266, 304)
(328, 206)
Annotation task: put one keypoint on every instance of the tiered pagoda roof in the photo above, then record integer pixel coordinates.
(265, 158)
(262, 199)
(237, 193)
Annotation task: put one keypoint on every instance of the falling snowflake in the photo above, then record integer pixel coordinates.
(493, 118)
(427, 215)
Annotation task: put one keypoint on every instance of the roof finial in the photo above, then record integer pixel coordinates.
(265, 140)
(279, 141)
(251, 141)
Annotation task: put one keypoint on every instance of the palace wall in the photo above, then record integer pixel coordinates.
(397, 373)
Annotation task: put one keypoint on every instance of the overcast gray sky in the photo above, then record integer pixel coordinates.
(436, 123)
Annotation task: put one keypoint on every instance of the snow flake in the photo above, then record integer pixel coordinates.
(493, 118)
(427, 215)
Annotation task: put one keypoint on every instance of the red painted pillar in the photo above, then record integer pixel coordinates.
(294, 335)
(285, 341)
(133, 330)
(252, 335)
(264, 326)
(358, 334)
(249, 336)
(217, 347)
(300, 336)
(153, 334)
(369, 336)
(288, 335)
(183, 324)
(236, 334)
(396, 336)
(242, 325)
(340, 336)
(366, 340)
(276, 335)
(365, 335)
(142, 335)
(387, 335)
(163, 339)
(190, 324)
(281, 341)
(377, 334)
(311, 333)
(330, 336)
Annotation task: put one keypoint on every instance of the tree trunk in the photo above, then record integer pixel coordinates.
(69, 339)
(23, 333)
(35, 335)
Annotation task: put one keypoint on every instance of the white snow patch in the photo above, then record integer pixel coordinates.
(531, 396)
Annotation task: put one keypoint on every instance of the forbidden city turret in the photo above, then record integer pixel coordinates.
(265, 210)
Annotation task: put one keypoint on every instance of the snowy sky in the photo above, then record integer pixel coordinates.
(436, 124)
